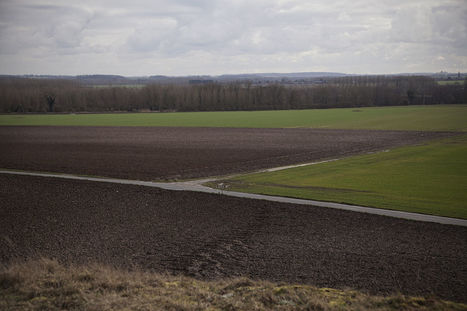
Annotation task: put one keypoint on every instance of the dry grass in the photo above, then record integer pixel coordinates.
(46, 285)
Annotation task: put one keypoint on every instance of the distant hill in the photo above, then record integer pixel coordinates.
(286, 75)
(255, 78)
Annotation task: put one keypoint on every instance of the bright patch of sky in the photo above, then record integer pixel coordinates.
(182, 37)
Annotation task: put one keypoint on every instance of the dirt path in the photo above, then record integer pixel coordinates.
(197, 186)
(211, 236)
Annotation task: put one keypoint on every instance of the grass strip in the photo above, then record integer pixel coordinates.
(429, 179)
(423, 118)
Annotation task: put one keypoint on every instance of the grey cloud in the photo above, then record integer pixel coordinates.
(55, 27)
(214, 37)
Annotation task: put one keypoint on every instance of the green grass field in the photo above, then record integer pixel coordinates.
(105, 86)
(429, 179)
(451, 82)
(427, 118)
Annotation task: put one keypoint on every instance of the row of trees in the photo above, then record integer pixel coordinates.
(45, 95)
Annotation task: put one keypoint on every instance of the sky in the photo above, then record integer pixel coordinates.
(214, 37)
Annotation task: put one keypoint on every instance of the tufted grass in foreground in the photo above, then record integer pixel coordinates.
(46, 285)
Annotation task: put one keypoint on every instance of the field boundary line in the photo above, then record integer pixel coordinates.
(195, 186)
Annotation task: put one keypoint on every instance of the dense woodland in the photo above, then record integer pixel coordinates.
(23, 95)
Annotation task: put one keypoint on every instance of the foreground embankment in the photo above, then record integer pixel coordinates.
(45, 284)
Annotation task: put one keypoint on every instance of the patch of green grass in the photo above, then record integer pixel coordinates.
(425, 118)
(105, 86)
(429, 179)
(451, 82)
(47, 285)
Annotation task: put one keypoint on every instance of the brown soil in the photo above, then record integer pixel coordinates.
(151, 153)
(211, 236)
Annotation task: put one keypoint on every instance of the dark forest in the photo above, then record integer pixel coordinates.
(23, 95)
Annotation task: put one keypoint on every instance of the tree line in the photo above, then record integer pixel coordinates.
(21, 95)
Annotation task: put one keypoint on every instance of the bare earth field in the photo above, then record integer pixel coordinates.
(152, 153)
(210, 236)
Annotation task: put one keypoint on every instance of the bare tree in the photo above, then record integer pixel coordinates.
(50, 101)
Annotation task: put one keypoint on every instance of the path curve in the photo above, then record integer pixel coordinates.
(196, 185)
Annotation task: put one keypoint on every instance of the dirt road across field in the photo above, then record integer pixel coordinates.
(160, 153)
(210, 236)
(197, 186)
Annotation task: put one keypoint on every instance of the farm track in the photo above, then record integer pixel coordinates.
(167, 153)
(197, 186)
(213, 236)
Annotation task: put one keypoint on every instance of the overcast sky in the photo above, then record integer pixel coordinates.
(182, 37)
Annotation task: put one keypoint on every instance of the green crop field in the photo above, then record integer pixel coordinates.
(430, 179)
(429, 118)
(105, 86)
(451, 82)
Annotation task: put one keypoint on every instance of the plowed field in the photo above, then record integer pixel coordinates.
(210, 236)
(152, 153)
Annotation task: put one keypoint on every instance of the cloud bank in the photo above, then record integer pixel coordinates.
(181, 37)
